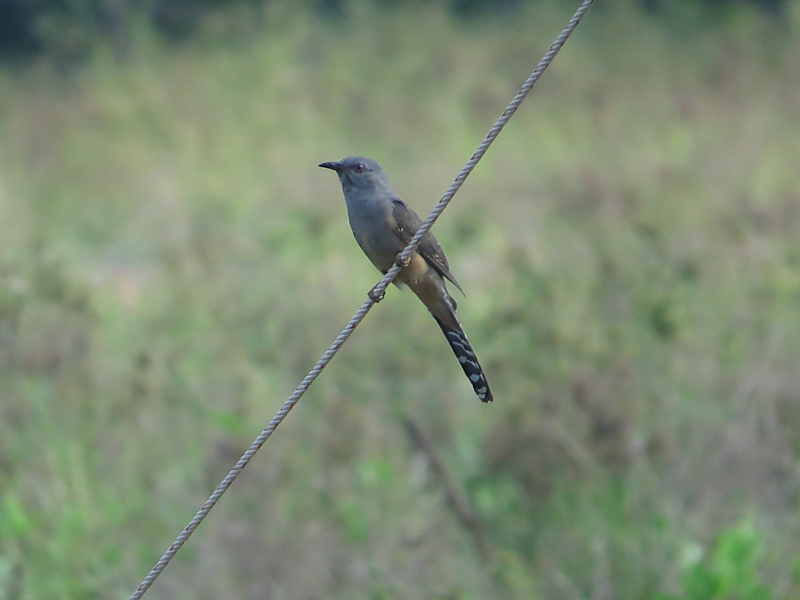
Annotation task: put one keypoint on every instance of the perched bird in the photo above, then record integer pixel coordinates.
(383, 225)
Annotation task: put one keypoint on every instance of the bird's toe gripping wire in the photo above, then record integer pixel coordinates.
(374, 295)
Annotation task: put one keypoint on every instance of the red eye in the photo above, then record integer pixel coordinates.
(359, 168)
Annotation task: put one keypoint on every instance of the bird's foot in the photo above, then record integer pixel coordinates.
(403, 263)
(374, 295)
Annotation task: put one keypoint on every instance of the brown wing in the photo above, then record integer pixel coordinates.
(407, 222)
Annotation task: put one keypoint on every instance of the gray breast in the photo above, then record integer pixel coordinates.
(370, 220)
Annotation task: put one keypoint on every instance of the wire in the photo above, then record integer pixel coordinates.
(374, 296)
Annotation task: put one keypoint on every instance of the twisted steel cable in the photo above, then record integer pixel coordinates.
(376, 293)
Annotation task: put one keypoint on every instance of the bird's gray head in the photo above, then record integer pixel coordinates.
(362, 174)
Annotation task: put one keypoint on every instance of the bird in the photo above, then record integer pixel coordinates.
(383, 225)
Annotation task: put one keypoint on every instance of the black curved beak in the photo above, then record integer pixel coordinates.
(334, 166)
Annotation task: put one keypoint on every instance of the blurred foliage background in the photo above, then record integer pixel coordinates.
(172, 262)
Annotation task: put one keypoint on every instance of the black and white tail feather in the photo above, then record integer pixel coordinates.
(466, 357)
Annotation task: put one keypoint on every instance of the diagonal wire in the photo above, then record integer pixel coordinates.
(377, 292)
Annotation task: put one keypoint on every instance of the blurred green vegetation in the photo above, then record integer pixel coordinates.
(66, 31)
(172, 262)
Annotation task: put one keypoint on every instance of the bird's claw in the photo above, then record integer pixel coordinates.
(375, 296)
(403, 262)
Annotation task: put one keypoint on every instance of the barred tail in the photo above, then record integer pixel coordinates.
(469, 362)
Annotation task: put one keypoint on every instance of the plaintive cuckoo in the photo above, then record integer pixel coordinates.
(383, 225)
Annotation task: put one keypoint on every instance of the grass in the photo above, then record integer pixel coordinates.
(172, 263)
